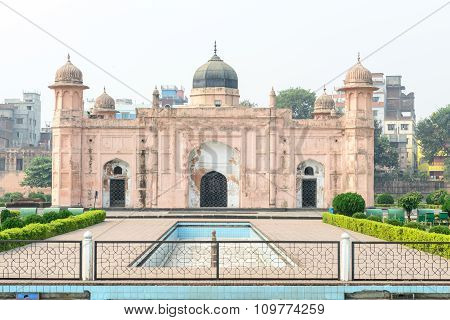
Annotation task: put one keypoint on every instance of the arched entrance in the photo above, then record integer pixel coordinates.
(214, 167)
(116, 184)
(310, 183)
(213, 190)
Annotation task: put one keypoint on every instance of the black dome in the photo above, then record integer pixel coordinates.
(215, 73)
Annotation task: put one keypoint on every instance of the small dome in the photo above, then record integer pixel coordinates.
(215, 73)
(105, 101)
(324, 102)
(358, 75)
(68, 73)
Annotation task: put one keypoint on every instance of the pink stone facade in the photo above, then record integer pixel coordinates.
(161, 158)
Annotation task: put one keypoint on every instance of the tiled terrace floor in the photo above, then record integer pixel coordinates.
(152, 229)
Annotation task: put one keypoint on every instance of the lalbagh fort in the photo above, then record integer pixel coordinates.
(212, 152)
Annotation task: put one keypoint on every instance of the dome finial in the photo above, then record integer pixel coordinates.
(104, 89)
(359, 58)
(324, 89)
(215, 47)
(68, 57)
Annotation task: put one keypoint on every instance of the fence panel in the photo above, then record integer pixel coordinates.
(40, 260)
(401, 261)
(208, 260)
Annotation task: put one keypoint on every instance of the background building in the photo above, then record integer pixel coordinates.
(25, 118)
(434, 169)
(378, 99)
(400, 122)
(172, 96)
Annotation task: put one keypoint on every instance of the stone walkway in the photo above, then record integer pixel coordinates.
(153, 229)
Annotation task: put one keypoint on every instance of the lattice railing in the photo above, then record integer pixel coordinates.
(49, 260)
(401, 261)
(206, 260)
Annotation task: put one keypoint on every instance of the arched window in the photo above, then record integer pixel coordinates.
(117, 170)
(309, 171)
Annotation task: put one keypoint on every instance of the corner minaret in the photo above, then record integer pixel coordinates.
(104, 107)
(272, 98)
(66, 135)
(358, 88)
(358, 132)
(155, 101)
(323, 106)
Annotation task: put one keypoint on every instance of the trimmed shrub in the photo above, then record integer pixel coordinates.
(34, 218)
(12, 196)
(415, 225)
(348, 203)
(409, 202)
(391, 233)
(6, 214)
(359, 215)
(375, 218)
(394, 222)
(36, 195)
(36, 231)
(428, 206)
(446, 205)
(385, 198)
(13, 222)
(440, 229)
(52, 215)
(437, 197)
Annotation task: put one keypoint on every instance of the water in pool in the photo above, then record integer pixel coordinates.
(179, 253)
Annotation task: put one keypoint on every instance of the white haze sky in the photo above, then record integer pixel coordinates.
(280, 43)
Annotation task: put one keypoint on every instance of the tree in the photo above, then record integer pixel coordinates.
(409, 202)
(39, 173)
(247, 103)
(385, 155)
(301, 102)
(433, 134)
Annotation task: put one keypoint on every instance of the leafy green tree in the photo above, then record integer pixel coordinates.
(409, 202)
(433, 133)
(247, 103)
(301, 102)
(39, 173)
(385, 155)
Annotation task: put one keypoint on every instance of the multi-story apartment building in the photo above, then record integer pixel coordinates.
(24, 118)
(172, 96)
(400, 122)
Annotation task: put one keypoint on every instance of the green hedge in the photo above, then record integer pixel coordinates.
(389, 232)
(36, 231)
(385, 205)
(429, 206)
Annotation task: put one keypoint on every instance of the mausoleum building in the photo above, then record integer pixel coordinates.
(212, 152)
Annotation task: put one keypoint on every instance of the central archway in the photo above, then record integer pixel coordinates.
(213, 190)
(216, 165)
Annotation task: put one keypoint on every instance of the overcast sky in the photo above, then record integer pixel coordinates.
(280, 43)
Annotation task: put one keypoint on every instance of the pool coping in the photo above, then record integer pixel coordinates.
(202, 283)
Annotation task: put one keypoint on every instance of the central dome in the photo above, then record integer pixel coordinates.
(215, 73)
